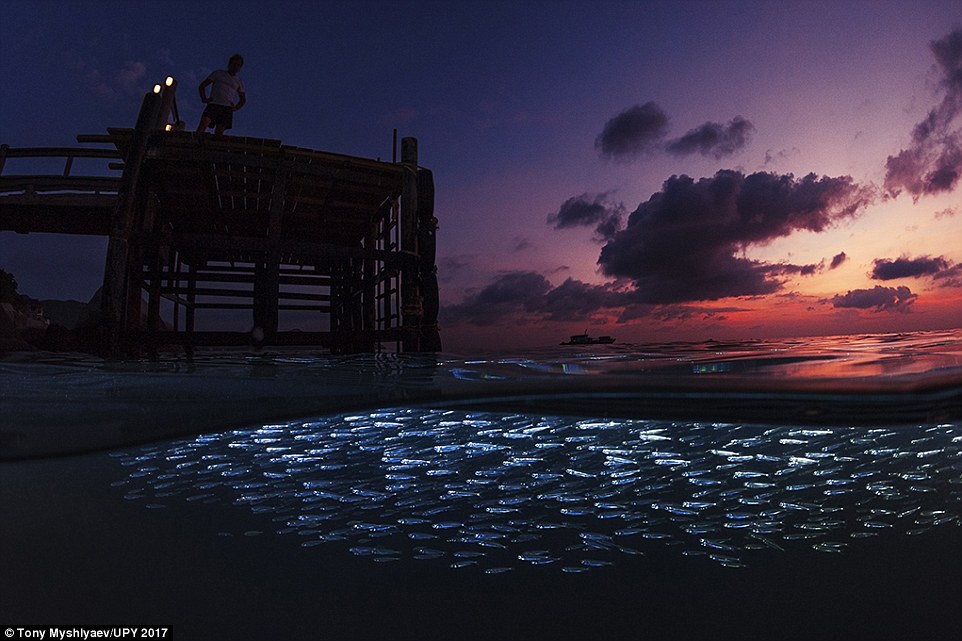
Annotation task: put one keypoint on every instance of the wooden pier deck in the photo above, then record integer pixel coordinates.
(202, 224)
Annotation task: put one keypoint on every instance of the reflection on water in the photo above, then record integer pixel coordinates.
(491, 491)
(61, 404)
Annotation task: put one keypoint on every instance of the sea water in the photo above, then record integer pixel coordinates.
(747, 469)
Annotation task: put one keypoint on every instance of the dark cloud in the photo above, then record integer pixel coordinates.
(509, 295)
(950, 276)
(576, 300)
(714, 139)
(881, 299)
(948, 53)
(933, 161)
(634, 311)
(773, 156)
(801, 270)
(948, 212)
(633, 132)
(516, 295)
(585, 211)
(837, 260)
(519, 298)
(450, 266)
(641, 128)
(929, 166)
(686, 242)
(906, 267)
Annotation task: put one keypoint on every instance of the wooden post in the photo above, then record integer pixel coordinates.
(168, 93)
(369, 285)
(153, 300)
(427, 255)
(410, 294)
(190, 308)
(272, 268)
(338, 308)
(117, 269)
(386, 293)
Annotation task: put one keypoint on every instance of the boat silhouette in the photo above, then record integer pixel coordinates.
(584, 339)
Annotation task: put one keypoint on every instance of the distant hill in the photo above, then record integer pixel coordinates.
(65, 313)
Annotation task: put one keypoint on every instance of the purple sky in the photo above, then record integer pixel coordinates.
(650, 170)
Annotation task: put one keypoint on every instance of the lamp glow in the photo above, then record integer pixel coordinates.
(156, 88)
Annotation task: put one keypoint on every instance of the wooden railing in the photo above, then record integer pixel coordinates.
(65, 181)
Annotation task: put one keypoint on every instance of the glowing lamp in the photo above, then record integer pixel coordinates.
(169, 81)
(169, 127)
(156, 88)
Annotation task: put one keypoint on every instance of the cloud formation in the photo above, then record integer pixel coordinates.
(524, 297)
(837, 260)
(640, 130)
(879, 299)
(800, 270)
(713, 139)
(513, 296)
(686, 243)
(585, 211)
(509, 295)
(633, 132)
(905, 267)
(128, 81)
(950, 276)
(577, 300)
(933, 161)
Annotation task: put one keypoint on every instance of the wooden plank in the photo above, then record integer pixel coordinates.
(237, 339)
(302, 154)
(61, 152)
(95, 138)
(71, 218)
(59, 183)
(56, 201)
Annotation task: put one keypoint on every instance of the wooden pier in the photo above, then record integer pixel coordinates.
(200, 224)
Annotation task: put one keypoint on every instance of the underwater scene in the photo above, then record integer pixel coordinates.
(805, 489)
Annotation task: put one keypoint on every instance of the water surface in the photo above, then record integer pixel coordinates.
(806, 489)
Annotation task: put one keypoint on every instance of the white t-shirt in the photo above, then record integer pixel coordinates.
(225, 88)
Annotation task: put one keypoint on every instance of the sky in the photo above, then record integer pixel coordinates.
(654, 171)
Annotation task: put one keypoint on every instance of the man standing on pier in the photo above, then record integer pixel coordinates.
(225, 88)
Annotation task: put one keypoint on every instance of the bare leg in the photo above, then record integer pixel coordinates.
(204, 124)
(218, 130)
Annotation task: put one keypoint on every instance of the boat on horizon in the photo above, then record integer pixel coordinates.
(584, 339)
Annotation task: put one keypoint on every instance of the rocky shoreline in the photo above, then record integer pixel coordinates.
(68, 326)
(28, 324)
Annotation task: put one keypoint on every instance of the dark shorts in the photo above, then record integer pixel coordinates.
(219, 115)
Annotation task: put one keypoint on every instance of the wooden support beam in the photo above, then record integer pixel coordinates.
(430, 338)
(272, 268)
(369, 276)
(118, 267)
(298, 230)
(410, 296)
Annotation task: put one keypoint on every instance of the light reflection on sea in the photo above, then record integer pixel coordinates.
(61, 404)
